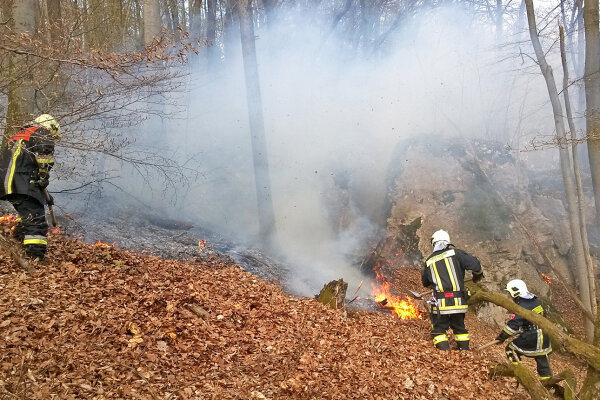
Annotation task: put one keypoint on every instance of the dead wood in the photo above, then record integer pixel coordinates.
(568, 391)
(575, 346)
(333, 294)
(13, 251)
(525, 377)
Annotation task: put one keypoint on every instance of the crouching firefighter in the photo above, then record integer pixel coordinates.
(445, 273)
(531, 340)
(25, 165)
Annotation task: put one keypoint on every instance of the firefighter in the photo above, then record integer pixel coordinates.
(25, 165)
(531, 340)
(444, 272)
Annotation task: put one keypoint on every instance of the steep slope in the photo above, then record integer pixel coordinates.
(95, 322)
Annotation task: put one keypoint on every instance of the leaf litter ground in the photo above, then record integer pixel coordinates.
(95, 322)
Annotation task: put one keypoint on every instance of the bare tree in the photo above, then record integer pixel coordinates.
(565, 165)
(262, 178)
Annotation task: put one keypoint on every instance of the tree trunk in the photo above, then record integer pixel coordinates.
(580, 197)
(211, 32)
(499, 20)
(21, 91)
(266, 216)
(565, 166)
(195, 15)
(152, 24)
(592, 94)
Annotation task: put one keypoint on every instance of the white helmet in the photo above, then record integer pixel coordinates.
(48, 122)
(440, 235)
(517, 288)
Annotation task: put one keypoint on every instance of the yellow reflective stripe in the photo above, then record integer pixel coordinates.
(35, 241)
(454, 307)
(439, 257)
(450, 274)
(544, 377)
(13, 166)
(44, 160)
(540, 339)
(437, 278)
(538, 309)
(462, 337)
(440, 338)
(509, 331)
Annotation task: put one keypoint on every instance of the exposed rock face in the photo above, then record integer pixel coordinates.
(475, 190)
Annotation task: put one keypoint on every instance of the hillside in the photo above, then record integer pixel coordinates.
(95, 322)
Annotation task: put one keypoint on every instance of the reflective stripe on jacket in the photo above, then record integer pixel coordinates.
(445, 273)
(29, 152)
(532, 341)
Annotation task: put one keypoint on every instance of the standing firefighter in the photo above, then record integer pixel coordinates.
(25, 165)
(531, 340)
(445, 274)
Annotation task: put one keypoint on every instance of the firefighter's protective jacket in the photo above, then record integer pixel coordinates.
(445, 273)
(26, 160)
(532, 341)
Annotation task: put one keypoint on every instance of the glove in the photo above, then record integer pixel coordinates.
(43, 184)
(50, 200)
(502, 337)
(477, 277)
(43, 179)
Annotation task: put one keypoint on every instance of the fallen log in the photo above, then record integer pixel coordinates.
(525, 377)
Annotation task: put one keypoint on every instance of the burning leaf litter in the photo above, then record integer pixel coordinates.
(403, 308)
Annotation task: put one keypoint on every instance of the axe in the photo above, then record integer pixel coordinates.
(417, 295)
(485, 346)
(50, 206)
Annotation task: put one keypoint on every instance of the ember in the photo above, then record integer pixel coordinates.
(546, 278)
(402, 308)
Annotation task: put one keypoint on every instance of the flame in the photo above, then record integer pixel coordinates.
(201, 243)
(8, 219)
(403, 308)
(101, 245)
(546, 278)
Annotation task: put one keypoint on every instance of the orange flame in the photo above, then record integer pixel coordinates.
(546, 278)
(102, 245)
(402, 308)
(8, 219)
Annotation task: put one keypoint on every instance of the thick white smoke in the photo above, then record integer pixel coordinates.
(334, 116)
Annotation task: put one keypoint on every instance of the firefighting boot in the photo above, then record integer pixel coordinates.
(35, 246)
(441, 342)
(462, 341)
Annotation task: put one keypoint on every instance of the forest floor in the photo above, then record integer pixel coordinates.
(96, 322)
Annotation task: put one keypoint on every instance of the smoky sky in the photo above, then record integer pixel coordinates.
(332, 116)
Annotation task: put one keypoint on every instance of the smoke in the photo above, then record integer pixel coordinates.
(333, 113)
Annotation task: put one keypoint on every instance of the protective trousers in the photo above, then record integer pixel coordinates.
(32, 226)
(440, 324)
(541, 361)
